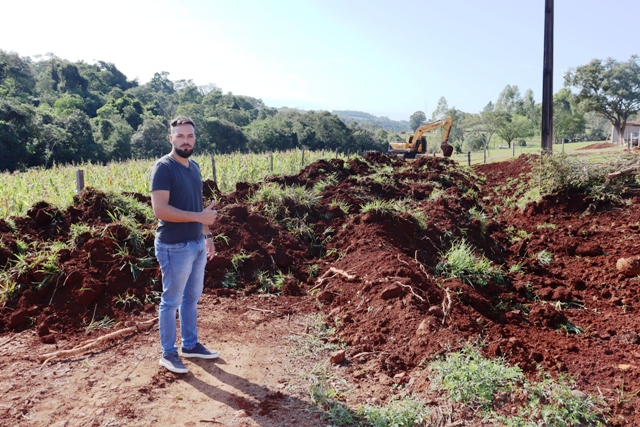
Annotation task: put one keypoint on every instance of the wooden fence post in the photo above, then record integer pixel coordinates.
(79, 181)
(469, 157)
(513, 148)
(485, 154)
(302, 162)
(271, 160)
(213, 168)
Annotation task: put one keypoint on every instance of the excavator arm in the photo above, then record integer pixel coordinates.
(417, 144)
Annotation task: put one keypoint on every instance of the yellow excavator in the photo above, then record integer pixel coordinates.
(418, 144)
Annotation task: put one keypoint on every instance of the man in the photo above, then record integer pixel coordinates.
(183, 244)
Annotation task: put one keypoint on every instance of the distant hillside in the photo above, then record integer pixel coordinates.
(367, 120)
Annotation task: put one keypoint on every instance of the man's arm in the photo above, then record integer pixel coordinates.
(164, 211)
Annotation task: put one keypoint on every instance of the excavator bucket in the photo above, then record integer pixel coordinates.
(447, 150)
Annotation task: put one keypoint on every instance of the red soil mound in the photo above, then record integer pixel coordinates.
(562, 304)
(598, 145)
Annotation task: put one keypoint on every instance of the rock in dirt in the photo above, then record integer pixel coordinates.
(48, 339)
(628, 337)
(427, 326)
(629, 266)
(391, 291)
(589, 249)
(337, 357)
(546, 315)
(325, 296)
(436, 311)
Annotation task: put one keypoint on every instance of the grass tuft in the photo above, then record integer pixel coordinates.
(461, 262)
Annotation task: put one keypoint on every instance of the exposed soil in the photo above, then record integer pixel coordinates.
(375, 272)
(599, 145)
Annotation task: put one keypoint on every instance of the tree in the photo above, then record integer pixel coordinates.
(221, 135)
(126, 106)
(329, 132)
(610, 88)
(271, 134)
(67, 104)
(567, 123)
(417, 119)
(489, 121)
(114, 77)
(512, 126)
(441, 109)
(188, 92)
(16, 75)
(597, 127)
(510, 100)
(150, 140)
(18, 131)
(161, 83)
(364, 139)
(476, 142)
(532, 110)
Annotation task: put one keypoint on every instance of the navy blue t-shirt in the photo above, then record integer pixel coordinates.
(185, 193)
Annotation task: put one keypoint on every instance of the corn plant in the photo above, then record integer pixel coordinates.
(57, 184)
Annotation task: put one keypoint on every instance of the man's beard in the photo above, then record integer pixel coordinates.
(184, 153)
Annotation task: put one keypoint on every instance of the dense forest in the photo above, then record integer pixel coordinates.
(53, 111)
(57, 111)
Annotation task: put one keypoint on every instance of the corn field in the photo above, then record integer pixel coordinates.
(57, 185)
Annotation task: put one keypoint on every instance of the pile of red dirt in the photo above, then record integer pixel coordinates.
(598, 145)
(368, 252)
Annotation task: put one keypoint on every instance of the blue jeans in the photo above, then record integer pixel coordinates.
(182, 266)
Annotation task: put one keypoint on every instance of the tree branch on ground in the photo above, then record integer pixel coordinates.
(88, 345)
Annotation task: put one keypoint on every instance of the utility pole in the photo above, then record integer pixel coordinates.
(547, 81)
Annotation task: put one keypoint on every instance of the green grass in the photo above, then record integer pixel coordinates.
(473, 380)
(461, 262)
(315, 338)
(468, 380)
(399, 412)
(533, 147)
(381, 207)
(276, 199)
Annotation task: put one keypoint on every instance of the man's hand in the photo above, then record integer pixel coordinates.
(209, 215)
(210, 247)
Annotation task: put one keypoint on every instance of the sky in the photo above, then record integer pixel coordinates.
(384, 57)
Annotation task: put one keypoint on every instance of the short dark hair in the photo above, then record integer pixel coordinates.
(182, 120)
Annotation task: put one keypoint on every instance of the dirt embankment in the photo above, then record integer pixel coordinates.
(373, 272)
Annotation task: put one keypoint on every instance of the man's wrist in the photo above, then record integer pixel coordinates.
(208, 236)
